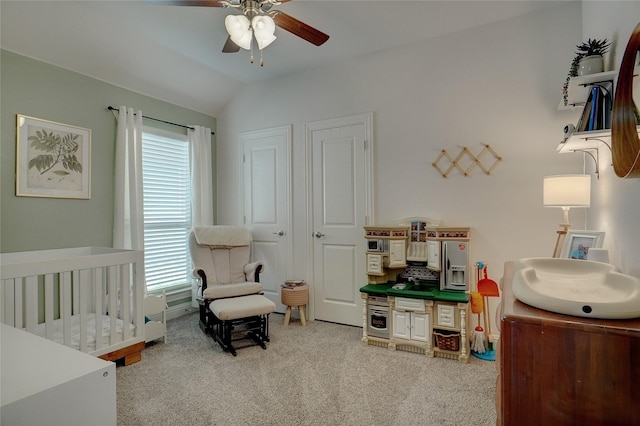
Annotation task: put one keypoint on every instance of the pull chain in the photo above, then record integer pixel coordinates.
(251, 46)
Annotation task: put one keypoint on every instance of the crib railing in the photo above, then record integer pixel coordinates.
(63, 288)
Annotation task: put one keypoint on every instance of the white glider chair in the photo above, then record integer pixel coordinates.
(230, 299)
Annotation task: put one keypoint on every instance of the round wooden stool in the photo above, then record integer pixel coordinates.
(295, 296)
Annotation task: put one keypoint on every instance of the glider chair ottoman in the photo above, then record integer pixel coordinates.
(229, 294)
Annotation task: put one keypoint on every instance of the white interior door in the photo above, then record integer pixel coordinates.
(267, 188)
(340, 204)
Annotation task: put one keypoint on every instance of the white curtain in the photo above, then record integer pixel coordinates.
(201, 185)
(201, 176)
(128, 224)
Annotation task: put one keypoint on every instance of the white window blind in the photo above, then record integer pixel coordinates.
(167, 210)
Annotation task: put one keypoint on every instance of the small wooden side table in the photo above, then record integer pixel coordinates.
(295, 296)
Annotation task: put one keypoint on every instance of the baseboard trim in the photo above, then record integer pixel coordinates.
(177, 311)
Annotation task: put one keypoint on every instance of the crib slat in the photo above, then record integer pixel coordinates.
(82, 287)
(75, 289)
(49, 305)
(98, 290)
(113, 302)
(31, 303)
(9, 296)
(139, 290)
(3, 299)
(3, 283)
(65, 307)
(125, 302)
(18, 313)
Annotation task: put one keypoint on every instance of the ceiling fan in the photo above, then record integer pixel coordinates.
(257, 20)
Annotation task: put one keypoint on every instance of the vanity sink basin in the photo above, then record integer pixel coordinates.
(576, 287)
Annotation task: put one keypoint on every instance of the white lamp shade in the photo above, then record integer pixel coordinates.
(263, 29)
(264, 42)
(238, 28)
(567, 191)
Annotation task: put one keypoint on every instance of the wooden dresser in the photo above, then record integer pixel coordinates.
(563, 370)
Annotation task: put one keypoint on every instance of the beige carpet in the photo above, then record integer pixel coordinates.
(320, 374)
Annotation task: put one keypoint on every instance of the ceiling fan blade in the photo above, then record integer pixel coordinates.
(230, 46)
(299, 28)
(203, 3)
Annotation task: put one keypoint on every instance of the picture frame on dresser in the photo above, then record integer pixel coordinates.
(52, 159)
(578, 242)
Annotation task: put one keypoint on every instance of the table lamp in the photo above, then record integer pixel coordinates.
(566, 191)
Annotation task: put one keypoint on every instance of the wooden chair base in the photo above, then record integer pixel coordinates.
(255, 329)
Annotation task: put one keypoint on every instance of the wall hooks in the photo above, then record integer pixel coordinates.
(472, 161)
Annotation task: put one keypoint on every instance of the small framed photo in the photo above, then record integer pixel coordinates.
(577, 243)
(52, 159)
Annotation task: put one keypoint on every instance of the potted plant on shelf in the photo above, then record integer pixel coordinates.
(591, 56)
(588, 60)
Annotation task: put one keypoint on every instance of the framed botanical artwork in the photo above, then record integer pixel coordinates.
(52, 159)
(577, 243)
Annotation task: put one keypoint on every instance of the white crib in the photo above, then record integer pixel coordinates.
(87, 298)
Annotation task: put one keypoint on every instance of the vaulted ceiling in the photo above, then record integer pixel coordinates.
(173, 53)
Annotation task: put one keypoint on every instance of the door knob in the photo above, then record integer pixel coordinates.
(280, 233)
(318, 234)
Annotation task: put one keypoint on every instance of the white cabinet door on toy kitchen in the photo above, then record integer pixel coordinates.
(433, 255)
(397, 253)
(410, 326)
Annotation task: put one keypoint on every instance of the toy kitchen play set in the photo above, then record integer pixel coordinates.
(417, 296)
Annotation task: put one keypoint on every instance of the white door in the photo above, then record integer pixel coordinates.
(267, 200)
(341, 200)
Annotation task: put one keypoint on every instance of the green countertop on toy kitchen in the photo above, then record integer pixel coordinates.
(377, 289)
(413, 291)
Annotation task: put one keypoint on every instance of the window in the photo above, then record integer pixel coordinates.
(167, 209)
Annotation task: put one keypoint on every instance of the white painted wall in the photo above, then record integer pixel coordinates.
(497, 84)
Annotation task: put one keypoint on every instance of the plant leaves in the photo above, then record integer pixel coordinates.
(593, 47)
(62, 148)
(41, 162)
(68, 143)
(44, 141)
(70, 162)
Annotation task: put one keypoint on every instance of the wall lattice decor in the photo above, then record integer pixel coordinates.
(466, 161)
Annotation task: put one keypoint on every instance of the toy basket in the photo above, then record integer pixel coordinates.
(447, 340)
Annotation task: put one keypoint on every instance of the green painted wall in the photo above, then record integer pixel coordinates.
(40, 90)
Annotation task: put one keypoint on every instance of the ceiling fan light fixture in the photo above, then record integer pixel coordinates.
(264, 42)
(238, 27)
(263, 29)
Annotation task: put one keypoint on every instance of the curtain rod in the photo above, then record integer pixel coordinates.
(110, 108)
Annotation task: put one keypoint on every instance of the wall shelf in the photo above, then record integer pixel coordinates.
(581, 141)
(578, 89)
(589, 143)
